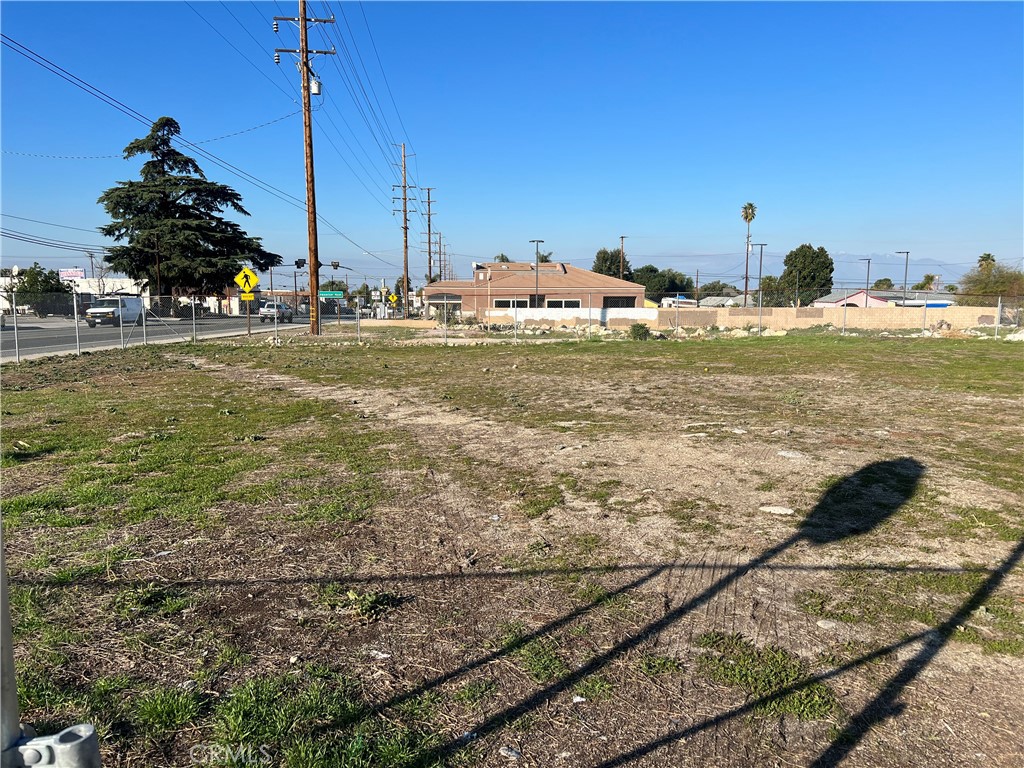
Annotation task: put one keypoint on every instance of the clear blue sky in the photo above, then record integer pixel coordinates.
(865, 128)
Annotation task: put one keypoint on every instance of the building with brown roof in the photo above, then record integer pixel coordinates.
(499, 287)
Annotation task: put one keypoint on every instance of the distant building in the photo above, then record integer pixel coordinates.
(888, 298)
(524, 285)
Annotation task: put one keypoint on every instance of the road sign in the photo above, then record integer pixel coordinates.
(246, 279)
(393, 299)
(248, 296)
(332, 294)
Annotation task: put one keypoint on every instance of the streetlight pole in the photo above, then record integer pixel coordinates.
(622, 256)
(760, 260)
(906, 267)
(536, 270)
(867, 282)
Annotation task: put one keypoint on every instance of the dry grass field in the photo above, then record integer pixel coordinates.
(799, 551)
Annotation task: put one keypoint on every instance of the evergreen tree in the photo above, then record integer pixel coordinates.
(607, 263)
(807, 275)
(177, 239)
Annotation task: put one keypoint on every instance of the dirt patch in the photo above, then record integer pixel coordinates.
(551, 585)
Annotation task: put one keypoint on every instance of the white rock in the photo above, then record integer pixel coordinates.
(776, 510)
(827, 624)
(791, 455)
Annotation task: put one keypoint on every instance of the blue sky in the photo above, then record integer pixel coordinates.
(865, 128)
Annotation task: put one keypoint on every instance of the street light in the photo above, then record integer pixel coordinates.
(536, 270)
(906, 266)
(867, 282)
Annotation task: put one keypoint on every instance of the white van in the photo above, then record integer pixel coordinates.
(114, 310)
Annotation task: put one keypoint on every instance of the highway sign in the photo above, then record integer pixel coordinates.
(332, 294)
(246, 279)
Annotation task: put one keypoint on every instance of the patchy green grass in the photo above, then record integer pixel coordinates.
(164, 710)
(150, 599)
(655, 665)
(919, 595)
(364, 606)
(538, 657)
(594, 688)
(318, 720)
(779, 682)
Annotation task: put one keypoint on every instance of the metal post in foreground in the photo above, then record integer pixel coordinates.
(136, 320)
(515, 319)
(120, 319)
(14, 305)
(999, 314)
(924, 316)
(846, 303)
(193, 320)
(74, 307)
(74, 747)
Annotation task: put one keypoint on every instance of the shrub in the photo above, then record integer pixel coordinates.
(639, 332)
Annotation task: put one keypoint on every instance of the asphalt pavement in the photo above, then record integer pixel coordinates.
(40, 337)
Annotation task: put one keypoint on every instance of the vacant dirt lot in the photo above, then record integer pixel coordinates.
(794, 551)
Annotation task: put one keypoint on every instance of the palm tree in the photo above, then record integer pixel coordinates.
(986, 261)
(748, 212)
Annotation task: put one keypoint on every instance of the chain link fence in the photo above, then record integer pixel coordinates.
(44, 324)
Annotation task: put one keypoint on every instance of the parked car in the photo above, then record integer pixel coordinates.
(277, 309)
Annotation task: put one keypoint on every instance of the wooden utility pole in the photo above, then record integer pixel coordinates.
(307, 128)
(622, 256)
(430, 265)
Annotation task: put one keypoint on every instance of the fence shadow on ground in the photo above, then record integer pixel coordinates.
(854, 505)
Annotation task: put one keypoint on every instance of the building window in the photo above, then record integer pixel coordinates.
(564, 303)
(619, 302)
(509, 303)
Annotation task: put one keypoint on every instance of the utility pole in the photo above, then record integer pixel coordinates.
(906, 267)
(622, 256)
(442, 268)
(867, 281)
(307, 129)
(405, 237)
(92, 265)
(430, 264)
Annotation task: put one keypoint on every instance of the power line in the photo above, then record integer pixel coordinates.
(138, 116)
(66, 245)
(47, 223)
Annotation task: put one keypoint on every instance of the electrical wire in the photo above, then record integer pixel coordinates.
(135, 115)
(66, 245)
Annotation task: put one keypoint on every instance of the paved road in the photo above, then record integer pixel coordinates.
(56, 335)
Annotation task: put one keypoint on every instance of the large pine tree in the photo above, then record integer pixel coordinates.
(177, 239)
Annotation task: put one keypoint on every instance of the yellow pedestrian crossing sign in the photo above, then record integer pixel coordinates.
(393, 299)
(246, 279)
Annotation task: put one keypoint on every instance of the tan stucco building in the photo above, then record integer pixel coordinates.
(524, 285)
